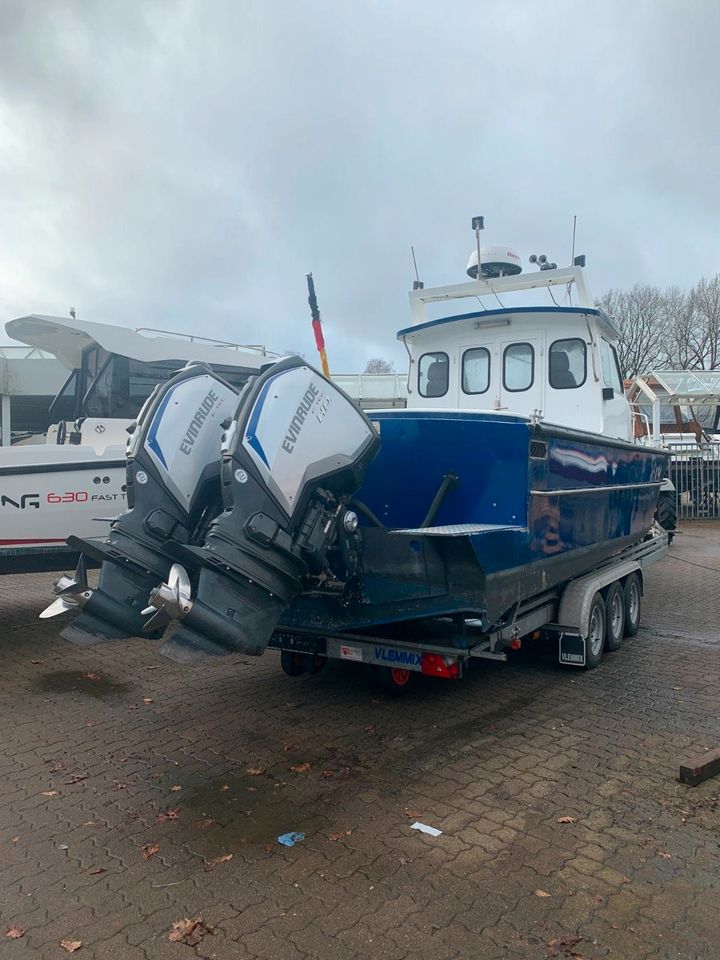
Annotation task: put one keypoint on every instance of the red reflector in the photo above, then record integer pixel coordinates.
(435, 665)
(515, 644)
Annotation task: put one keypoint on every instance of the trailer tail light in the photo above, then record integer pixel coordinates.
(516, 643)
(436, 665)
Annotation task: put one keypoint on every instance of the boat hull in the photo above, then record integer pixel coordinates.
(533, 506)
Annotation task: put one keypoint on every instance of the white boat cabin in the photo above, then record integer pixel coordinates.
(556, 362)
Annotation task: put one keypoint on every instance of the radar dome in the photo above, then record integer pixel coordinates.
(495, 262)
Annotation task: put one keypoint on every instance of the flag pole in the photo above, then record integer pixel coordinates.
(317, 325)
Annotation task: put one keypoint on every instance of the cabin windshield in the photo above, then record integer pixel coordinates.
(109, 385)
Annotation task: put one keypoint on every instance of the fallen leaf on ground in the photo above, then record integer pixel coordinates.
(89, 676)
(340, 834)
(328, 773)
(190, 929)
(98, 871)
(175, 788)
(15, 839)
(204, 823)
(224, 788)
(664, 855)
(148, 700)
(370, 728)
(50, 793)
(301, 767)
(251, 789)
(77, 778)
(223, 859)
(564, 943)
(412, 814)
(626, 879)
(71, 945)
(37, 661)
(14, 932)
(567, 820)
(287, 746)
(172, 814)
(542, 893)
(255, 771)
(149, 850)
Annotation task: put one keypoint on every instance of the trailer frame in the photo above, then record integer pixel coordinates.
(563, 611)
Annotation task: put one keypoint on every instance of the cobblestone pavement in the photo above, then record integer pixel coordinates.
(110, 752)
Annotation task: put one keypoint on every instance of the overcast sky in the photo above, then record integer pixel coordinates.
(183, 164)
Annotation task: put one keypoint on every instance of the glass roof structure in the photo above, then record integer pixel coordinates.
(683, 386)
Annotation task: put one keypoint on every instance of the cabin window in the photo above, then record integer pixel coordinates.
(476, 370)
(567, 364)
(518, 367)
(433, 374)
(610, 367)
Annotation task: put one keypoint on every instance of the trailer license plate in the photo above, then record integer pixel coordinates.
(572, 650)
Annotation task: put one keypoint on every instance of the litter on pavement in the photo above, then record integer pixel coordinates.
(424, 828)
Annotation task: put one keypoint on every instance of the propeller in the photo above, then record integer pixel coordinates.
(71, 592)
(171, 600)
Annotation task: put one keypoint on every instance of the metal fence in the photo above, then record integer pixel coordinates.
(695, 471)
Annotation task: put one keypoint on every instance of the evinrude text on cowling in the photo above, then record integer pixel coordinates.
(171, 492)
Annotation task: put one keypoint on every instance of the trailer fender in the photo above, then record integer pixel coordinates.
(574, 612)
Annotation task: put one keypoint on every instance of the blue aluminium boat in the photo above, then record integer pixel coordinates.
(510, 474)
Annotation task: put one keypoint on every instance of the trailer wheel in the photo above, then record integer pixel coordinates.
(615, 615)
(666, 512)
(633, 605)
(394, 680)
(293, 664)
(595, 641)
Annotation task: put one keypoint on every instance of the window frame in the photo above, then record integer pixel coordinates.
(520, 343)
(608, 349)
(434, 353)
(585, 363)
(475, 393)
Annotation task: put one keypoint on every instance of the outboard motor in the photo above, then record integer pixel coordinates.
(173, 490)
(296, 452)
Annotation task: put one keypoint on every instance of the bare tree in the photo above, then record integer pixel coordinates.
(705, 302)
(642, 320)
(379, 365)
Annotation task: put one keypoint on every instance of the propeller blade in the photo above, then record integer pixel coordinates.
(56, 608)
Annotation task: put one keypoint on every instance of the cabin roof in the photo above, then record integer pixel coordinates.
(67, 338)
(600, 314)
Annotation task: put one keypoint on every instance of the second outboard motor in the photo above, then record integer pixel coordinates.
(296, 452)
(173, 490)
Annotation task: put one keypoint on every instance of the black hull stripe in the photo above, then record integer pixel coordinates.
(31, 469)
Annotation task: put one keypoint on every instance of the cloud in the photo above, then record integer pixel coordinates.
(184, 164)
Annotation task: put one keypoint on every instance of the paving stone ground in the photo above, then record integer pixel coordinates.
(107, 749)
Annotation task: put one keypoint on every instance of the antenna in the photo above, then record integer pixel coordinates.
(572, 255)
(72, 312)
(417, 283)
(478, 224)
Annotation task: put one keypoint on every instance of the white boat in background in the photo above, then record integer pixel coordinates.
(73, 480)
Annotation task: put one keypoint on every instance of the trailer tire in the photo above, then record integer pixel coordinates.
(394, 680)
(595, 640)
(615, 616)
(666, 512)
(292, 663)
(633, 604)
